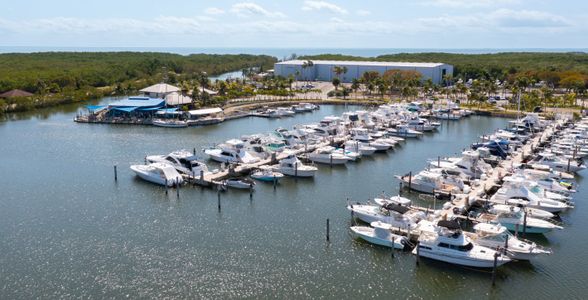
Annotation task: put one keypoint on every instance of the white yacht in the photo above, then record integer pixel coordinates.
(515, 221)
(380, 234)
(362, 148)
(232, 151)
(513, 192)
(445, 242)
(498, 237)
(429, 181)
(158, 173)
(532, 212)
(292, 166)
(404, 131)
(558, 163)
(395, 215)
(469, 164)
(183, 161)
(327, 155)
(362, 135)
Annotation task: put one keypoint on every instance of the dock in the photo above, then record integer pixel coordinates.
(479, 192)
(215, 179)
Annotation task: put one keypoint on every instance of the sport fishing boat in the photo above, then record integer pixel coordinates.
(327, 155)
(158, 173)
(292, 166)
(404, 131)
(498, 237)
(515, 221)
(445, 242)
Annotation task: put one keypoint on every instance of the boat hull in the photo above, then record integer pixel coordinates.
(367, 234)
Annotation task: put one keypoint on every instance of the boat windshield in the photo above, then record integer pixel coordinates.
(464, 248)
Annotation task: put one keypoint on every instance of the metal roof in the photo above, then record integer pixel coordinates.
(160, 88)
(363, 63)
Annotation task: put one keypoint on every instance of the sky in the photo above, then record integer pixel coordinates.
(444, 24)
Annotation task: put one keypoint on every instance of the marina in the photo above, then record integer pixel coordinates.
(274, 238)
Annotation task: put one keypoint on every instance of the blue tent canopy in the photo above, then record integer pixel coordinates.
(95, 108)
(125, 109)
(138, 102)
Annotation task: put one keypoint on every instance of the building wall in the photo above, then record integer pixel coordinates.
(324, 72)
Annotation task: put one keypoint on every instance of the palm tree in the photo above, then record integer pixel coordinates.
(355, 85)
(306, 64)
(336, 82)
(338, 70)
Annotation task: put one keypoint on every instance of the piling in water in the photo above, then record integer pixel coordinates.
(494, 268)
(116, 175)
(328, 229)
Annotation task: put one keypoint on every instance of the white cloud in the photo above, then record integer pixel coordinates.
(527, 18)
(468, 3)
(320, 5)
(363, 12)
(247, 9)
(214, 11)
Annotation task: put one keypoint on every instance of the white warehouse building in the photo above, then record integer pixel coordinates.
(324, 70)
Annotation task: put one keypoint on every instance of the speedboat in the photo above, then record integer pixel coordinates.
(158, 173)
(497, 237)
(239, 183)
(183, 161)
(292, 166)
(445, 242)
(266, 174)
(380, 234)
(327, 155)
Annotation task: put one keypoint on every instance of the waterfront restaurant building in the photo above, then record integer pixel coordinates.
(324, 70)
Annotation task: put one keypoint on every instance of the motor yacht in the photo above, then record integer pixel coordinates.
(232, 151)
(158, 173)
(445, 242)
(183, 161)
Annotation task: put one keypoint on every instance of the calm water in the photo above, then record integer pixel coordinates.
(286, 52)
(68, 230)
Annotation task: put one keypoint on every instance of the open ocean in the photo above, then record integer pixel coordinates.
(284, 52)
